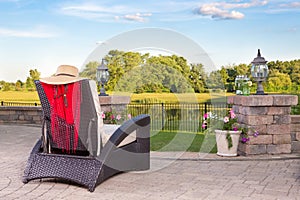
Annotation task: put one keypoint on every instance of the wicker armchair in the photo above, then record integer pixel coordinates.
(71, 146)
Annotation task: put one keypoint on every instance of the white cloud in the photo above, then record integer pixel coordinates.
(290, 5)
(224, 10)
(35, 33)
(137, 17)
(106, 13)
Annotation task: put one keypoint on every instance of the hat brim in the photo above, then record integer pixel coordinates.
(60, 80)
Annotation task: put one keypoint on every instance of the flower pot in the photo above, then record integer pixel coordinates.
(222, 143)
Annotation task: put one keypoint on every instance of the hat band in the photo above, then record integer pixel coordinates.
(62, 74)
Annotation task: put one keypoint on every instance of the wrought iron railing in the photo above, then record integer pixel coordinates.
(6, 103)
(177, 116)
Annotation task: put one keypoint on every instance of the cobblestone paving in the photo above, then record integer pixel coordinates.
(187, 178)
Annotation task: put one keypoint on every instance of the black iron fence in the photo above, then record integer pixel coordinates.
(5, 103)
(177, 116)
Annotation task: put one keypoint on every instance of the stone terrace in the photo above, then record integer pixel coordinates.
(190, 176)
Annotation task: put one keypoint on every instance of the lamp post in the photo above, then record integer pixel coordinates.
(102, 76)
(259, 72)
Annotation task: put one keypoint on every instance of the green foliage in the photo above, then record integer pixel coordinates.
(6, 87)
(19, 85)
(90, 70)
(34, 75)
(137, 73)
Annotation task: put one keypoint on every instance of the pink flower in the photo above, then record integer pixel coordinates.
(205, 116)
(118, 117)
(129, 116)
(232, 114)
(112, 117)
(204, 124)
(102, 115)
(226, 119)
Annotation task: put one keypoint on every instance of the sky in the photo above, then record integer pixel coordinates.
(43, 34)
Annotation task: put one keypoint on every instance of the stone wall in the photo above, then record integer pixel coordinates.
(114, 103)
(270, 116)
(20, 115)
(295, 133)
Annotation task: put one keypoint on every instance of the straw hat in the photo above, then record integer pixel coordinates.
(64, 74)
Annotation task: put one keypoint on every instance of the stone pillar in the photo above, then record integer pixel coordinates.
(295, 133)
(270, 116)
(114, 103)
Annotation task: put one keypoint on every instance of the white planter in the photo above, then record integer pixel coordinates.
(222, 143)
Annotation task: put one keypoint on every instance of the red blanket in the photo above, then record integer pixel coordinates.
(65, 114)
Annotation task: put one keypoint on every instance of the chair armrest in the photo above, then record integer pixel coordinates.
(128, 127)
(140, 124)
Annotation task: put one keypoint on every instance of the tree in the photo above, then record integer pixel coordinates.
(6, 87)
(19, 85)
(90, 70)
(198, 78)
(34, 75)
(279, 82)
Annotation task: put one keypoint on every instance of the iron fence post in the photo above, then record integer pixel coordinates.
(162, 115)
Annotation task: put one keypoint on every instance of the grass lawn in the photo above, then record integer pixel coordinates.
(32, 96)
(19, 96)
(182, 141)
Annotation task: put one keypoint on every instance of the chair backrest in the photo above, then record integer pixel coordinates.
(72, 117)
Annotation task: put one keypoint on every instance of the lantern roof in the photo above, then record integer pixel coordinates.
(259, 60)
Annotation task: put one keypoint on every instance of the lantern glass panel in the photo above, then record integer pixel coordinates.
(259, 71)
(104, 75)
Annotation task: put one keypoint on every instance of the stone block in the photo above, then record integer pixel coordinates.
(21, 117)
(28, 117)
(32, 113)
(282, 139)
(13, 117)
(247, 149)
(7, 112)
(256, 149)
(258, 119)
(279, 148)
(236, 109)
(37, 119)
(281, 119)
(252, 100)
(295, 127)
(261, 129)
(295, 119)
(247, 110)
(279, 110)
(293, 137)
(4, 117)
(114, 99)
(261, 139)
(297, 136)
(231, 99)
(278, 129)
(295, 147)
(285, 100)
